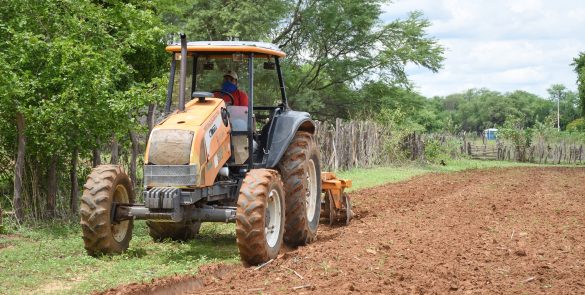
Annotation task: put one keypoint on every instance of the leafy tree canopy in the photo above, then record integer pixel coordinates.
(333, 46)
(579, 64)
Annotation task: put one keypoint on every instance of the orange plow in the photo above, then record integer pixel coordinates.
(337, 204)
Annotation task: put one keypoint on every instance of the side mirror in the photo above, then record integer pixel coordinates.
(269, 65)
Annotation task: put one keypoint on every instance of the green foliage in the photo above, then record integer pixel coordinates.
(568, 103)
(479, 109)
(400, 127)
(75, 70)
(435, 151)
(515, 132)
(224, 20)
(415, 108)
(336, 50)
(442, 148)
(579, 64)
(577, 125)
(331, 45)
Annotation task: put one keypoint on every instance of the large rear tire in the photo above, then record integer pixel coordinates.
(105, 185)
(160, 231)
(260, 216)
(301, 170)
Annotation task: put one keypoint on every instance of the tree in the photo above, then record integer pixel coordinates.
(579, 64)
(577, 125)
(66, 68)
(478, 109)
(333, 46)
(567, 103)
(339, 44)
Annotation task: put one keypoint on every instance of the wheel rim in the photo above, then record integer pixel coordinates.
(273, 218)
(311, 196)
(120, 229)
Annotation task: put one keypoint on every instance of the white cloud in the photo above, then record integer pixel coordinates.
(501, 45)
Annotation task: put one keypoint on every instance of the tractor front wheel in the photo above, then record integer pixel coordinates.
(106, 185)
(260, 216)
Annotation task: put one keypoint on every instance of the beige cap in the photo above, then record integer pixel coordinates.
(232, 74)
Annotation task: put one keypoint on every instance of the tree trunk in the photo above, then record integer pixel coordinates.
(135, 151)
(150, 120)
(51, 189)
(19, 168)
(74, 185)
(97, 160)
(115, 147)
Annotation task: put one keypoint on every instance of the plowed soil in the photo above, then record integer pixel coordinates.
(499, 231)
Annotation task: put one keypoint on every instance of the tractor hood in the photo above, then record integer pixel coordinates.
(179, 139)
(195, 114)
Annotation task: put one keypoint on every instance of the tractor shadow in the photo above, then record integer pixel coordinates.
(215, 242)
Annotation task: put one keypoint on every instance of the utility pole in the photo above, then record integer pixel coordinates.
(559, 109)
(557, 91)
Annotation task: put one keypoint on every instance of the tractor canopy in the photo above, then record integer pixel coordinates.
(260, 49)
(254, 66)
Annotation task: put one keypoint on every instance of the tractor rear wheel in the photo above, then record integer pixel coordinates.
(260, 216)
(301, 170)
(160, 231)
(107, 184)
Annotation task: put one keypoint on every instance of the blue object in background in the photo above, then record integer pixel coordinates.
(490, 133)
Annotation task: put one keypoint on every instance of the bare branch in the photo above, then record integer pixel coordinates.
(295, 20)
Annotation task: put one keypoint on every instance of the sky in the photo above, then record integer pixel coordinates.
(500, 45)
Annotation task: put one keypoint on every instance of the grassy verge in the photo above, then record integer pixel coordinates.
(51, 259)
(364, 178)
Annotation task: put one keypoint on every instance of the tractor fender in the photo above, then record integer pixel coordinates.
(285, 125)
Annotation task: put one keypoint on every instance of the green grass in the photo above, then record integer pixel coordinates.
(51, 259)
(364, 178)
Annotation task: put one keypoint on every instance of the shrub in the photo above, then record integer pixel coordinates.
(435, 151)
(576, 125)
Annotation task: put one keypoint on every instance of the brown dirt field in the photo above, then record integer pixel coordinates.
(498, 231)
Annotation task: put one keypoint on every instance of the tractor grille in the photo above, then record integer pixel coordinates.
(170, 147)
(170, 175)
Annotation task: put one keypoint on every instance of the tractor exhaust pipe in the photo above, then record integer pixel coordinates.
(183, 76)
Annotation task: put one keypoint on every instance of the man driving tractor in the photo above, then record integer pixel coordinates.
(230, 87)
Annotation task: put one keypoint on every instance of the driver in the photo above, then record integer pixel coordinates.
(230, 85)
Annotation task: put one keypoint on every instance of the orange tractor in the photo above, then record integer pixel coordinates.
(211, 160)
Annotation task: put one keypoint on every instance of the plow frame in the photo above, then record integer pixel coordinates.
(336, 201)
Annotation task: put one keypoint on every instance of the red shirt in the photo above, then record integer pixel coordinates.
(240, 97)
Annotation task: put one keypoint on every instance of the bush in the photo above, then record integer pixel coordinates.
(576, 125)
(435, 151)
(401, 127)
(514, 132)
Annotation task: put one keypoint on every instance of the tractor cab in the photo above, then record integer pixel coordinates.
(246, 76)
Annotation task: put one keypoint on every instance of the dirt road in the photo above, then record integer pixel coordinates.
(500, 231)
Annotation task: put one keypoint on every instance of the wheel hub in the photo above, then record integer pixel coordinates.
(119, 230)
(311, 195)
(272, 218)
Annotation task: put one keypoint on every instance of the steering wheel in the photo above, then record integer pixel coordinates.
(231, 102)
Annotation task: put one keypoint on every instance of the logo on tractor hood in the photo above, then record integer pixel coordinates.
(212, 130)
